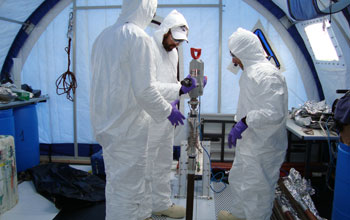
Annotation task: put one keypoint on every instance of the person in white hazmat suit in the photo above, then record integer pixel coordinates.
(260, 135)
(172, 31)
(122, 99)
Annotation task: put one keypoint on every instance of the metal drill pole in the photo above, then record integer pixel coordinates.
(191, 152)
(190, 191)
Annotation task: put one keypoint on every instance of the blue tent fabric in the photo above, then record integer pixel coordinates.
(346, 13)
(273, 8)
(22, 36)
(301, 10)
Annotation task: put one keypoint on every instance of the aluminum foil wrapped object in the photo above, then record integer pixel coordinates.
(313, 115)
(301, 190)
(313, 108)
(281, 198)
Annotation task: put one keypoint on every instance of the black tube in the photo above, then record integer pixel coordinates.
(342, 91)
(190, 194)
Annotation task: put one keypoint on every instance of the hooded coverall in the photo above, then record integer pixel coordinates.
(263, 99)
(161, 136)
(122, 100)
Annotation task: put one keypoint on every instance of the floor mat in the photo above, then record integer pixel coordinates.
(223, 197)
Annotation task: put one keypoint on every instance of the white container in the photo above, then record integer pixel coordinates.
(8, 174)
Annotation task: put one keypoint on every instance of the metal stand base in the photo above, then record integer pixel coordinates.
(203, 170)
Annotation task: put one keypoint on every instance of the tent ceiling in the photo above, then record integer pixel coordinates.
(13, 37)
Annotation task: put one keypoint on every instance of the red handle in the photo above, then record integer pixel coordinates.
(195, 50)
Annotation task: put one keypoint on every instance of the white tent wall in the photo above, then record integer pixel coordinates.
(45, 63)
(84, 3)
(8, 29)
(56, 116)
(48, 60)
(90, 24)
(204, 34)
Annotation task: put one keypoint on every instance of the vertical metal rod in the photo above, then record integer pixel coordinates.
(190, 195)
(193, 139)
(74, 72)
(220, 56)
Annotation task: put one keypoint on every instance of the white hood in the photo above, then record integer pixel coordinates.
(247, 47)
(138, 12)
(174, 19)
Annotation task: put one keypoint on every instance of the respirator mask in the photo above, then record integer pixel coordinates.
(234, 68)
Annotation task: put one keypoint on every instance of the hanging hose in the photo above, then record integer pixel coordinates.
(67, 83)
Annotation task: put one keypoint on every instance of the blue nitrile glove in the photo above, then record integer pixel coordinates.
(175, 117)
(236, 132)
(185, 89)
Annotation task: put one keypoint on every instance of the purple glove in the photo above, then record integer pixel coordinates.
(175, 117)
(185, 89)
(235, 133)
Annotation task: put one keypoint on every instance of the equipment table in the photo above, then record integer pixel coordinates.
(15, 104)
(317, 135)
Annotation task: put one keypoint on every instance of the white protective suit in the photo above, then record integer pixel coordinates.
(122, 100)
(161, 136)
(260, 153)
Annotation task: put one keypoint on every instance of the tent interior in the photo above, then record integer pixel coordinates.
(309, 41)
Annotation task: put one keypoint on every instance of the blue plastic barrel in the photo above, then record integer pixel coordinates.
(341, 201)
(7, 124)
(26, 137)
